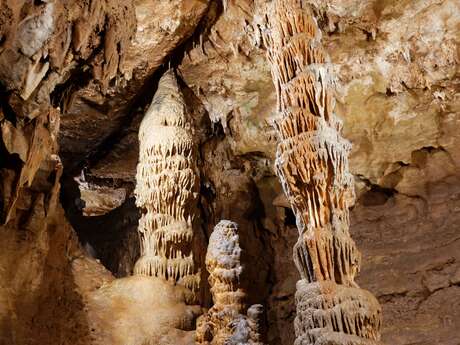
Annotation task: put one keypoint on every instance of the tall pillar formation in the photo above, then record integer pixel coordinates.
(312, 164)
(167, 187)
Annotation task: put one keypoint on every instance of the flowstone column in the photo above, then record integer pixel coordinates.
(167, 185)
(228, 322)
(312, 164)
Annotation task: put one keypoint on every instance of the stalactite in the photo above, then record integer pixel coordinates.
(227, 322)
(312, 164)
(167, 185)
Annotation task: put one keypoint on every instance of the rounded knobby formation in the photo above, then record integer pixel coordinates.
(229, 321)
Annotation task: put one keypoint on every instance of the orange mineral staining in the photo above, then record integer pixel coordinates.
(312, 164)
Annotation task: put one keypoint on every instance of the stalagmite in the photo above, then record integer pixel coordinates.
(228, 322)
(167, 184)
(312, 164)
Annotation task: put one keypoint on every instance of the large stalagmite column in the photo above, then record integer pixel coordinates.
(312, 164)
(167, 185)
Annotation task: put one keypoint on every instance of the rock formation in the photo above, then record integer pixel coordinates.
(161, 27)
(167, 184)
(76, 79)
(312, 164)
(228, 322)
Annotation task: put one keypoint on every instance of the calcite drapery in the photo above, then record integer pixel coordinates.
(312, 164)
(167, 184)
(226, 323)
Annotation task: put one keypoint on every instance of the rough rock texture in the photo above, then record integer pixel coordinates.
(167, 185)
(139, 310)
(226, 323)
(100, 200)
(397, 63)
(312, 164)
(46, 40)
(400, 111)
(162, 25)
(51, 291)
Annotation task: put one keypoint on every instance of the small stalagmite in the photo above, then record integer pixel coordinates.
(228, 322)
(167, 185)
(312, 164)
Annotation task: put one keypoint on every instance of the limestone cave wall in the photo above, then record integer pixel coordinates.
(77, 77)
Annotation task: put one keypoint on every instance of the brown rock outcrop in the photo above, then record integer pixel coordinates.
(55, 293)
(162, 26)
(45, 41)
(312, 164)
(397, 94)
(228, 322)
(397, 73)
